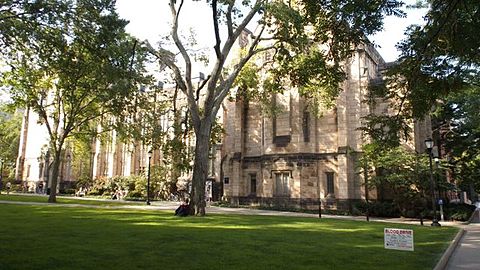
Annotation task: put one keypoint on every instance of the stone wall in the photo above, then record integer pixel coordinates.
(301, 145)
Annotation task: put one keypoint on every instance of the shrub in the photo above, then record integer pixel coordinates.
(376, 208)
(135, 185)
(84, 182)
(101, 186)
(459, 212)
(69, 191)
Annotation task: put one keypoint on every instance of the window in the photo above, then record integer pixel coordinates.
(306, 126)
(330, 183)
(226, 180)
(282, 120)
(281, 184)
(253, 184)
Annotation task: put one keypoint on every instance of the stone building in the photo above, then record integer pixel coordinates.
(292, 159)
(295, 159)
(109, 155)
(33, 166)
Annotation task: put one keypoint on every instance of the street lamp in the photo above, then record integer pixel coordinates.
(1, 175)
(148, 177)
(429, 146)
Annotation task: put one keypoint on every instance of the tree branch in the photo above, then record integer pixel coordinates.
(216, 30)
(229, 18)
(248, 18)
(204, 82)
(181, 48)
(224, 89)
(212, 94)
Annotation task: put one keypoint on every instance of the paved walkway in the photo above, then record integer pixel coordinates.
(467, 253)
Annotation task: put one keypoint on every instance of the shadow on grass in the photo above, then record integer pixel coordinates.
(79, 238)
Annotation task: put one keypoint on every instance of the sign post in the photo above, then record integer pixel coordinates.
(399, 239)
(440, 202)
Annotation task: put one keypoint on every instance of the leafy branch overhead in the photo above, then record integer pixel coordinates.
(437, 60)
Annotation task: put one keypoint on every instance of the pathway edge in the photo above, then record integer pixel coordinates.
(442, 263)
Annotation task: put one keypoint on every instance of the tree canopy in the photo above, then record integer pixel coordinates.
(457, 124)
(436, 59)
(71, 66)
(437, 75)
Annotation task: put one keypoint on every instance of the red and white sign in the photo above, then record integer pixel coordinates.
(399, 239)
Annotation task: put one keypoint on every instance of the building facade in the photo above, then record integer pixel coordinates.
(291, 159)
(295, 159)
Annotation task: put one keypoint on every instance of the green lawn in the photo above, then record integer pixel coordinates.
(64, 200)
(45, 237)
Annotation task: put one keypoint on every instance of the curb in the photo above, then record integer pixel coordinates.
(442, 263)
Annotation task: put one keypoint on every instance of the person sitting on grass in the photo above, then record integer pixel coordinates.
(9, 186)
(183, 210)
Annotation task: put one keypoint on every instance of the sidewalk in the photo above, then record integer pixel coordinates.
(467, 252)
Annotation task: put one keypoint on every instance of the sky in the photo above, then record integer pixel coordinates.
(150, 19)
(394, 32)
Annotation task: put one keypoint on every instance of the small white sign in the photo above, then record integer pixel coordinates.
(399, 239)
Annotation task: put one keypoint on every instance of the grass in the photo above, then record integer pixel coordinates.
(63, 200)
(45, 237)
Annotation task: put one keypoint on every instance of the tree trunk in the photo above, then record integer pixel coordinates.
(55, 171)
(177, 137)
(200, 168)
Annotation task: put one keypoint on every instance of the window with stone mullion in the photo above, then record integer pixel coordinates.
(281, 184)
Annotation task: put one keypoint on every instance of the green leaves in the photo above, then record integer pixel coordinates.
(441, 57)
(71, 62)
(438, 71)
(458, 121)
(389, 130)
(405, 173)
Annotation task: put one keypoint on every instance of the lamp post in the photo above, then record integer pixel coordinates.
(319, 201)
(68, 170)
(148, 177)
(429, 146)
(1, 175)
(437, 178)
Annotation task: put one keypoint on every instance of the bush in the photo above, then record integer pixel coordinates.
(136, 185)
(84, 182)
(376, 209)
(459, 212)
(69, 191)
(101, 187)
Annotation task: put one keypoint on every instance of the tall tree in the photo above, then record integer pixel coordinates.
(459, 131)
(72, 67)
(291, 31)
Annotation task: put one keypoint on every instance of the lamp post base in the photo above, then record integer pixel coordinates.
(148, 203)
